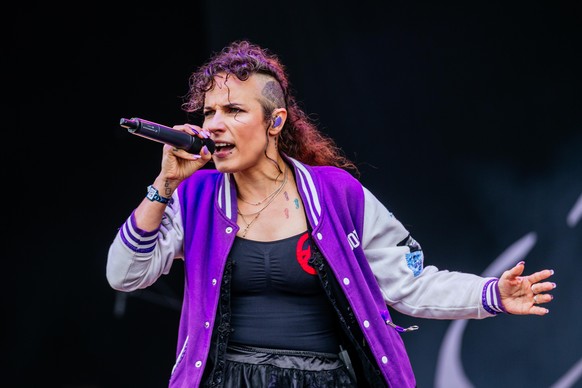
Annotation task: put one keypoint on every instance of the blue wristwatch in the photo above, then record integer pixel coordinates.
(154, 195)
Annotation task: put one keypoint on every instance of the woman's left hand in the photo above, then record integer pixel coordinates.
(522, 295)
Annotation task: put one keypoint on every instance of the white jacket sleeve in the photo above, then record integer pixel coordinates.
(407, 285)
(137, 258)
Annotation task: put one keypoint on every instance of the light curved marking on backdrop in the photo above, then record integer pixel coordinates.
(571, 377)
(575, 373)
(575, 214)
(449, 370)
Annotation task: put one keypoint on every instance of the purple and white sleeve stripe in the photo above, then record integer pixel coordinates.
(136, 239)
(490, 297)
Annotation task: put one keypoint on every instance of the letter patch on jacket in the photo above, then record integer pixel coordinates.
(353, 240)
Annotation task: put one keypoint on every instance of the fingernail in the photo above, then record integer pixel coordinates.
(194, 156)
(521, 263)
(554, 284)
(552, 271)
(205, 134)
(547, 311)
(205, 150)
(192, 128)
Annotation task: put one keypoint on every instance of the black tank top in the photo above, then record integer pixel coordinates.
(277, 299)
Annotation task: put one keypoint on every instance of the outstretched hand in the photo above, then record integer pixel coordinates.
(522, 295)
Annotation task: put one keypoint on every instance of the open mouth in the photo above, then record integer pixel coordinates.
(223, 148)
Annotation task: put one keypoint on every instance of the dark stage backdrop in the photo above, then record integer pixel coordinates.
(465, 121)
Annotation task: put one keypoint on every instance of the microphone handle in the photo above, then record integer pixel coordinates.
(162, 134)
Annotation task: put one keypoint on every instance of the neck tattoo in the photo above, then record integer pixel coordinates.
(256, 214)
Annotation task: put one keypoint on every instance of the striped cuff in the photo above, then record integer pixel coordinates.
(136, 239)
(491, 299)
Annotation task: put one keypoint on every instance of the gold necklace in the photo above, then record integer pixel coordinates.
(258, 213)
(267, 197)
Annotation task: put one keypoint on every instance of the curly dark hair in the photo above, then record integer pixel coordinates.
(300, 138)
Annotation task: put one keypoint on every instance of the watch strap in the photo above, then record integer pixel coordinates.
(154, 195)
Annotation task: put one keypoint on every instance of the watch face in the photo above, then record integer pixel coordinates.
(151, 193)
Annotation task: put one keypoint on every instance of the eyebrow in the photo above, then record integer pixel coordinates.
(230, 105)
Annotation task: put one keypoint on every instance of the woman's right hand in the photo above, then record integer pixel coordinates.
(178, 164)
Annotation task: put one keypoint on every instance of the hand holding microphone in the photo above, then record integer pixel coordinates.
(162, 134)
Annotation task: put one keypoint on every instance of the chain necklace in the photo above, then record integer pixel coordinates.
(267, 197)
(258, 213)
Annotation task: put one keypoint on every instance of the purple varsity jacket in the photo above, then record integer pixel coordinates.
(359, 238)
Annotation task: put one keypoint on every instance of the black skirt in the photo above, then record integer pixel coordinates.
(275, 368)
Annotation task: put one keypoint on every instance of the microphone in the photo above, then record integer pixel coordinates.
(166, 135)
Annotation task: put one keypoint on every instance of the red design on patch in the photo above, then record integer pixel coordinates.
(304, 254)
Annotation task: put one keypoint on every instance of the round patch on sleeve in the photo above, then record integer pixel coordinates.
(415, 260)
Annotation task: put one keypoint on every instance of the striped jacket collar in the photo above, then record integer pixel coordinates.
(306, 185)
